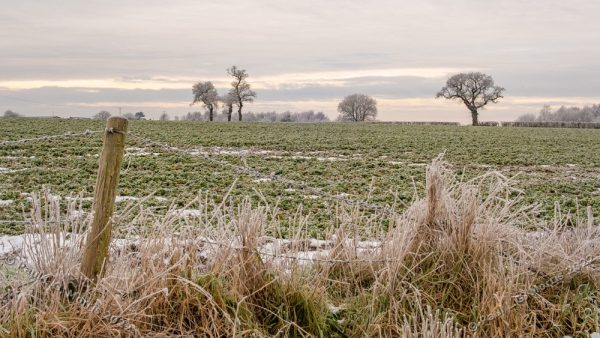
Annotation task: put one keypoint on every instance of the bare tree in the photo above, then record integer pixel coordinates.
(10, 113)
(206, 93)
(228, 101)
(164, 117)
(474, 89)
(102, 115)
(357, 107)
(241, 88)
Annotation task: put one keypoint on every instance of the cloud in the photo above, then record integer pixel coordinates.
(304, 51)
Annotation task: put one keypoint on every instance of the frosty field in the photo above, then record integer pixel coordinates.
(303, 230)
(379, 164)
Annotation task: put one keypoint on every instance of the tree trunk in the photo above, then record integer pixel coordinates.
(229, 111)
(240, 111)
(210, 112)
(474, 115)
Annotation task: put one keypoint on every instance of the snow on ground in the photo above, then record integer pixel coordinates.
(120, 199)
(187, 213)
(276, 250)
(6, 202)
(10, 244)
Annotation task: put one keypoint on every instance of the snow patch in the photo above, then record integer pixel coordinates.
(6, 202)
(71, 198)
(187, 213)
(76, 215)
(120, 199)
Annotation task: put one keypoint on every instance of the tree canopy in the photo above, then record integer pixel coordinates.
(10, 113)
(357, 108)
(474, 89)
(206, 93)
(102, 115)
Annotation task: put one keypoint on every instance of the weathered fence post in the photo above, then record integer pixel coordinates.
(98, 238)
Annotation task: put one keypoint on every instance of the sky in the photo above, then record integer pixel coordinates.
(75, 58)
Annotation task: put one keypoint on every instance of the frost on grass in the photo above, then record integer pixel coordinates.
(450, 266)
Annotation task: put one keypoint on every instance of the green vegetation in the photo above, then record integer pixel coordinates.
(381, 163)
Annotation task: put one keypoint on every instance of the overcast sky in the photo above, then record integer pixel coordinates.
(78, 57)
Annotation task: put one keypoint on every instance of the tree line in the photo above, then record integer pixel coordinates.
(475, 90)
(587, 114)
(286, 116)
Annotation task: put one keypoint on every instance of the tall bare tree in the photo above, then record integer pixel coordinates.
(474, 89)
(357, 108)
(206, 93)
(228, 101)
(240, 88)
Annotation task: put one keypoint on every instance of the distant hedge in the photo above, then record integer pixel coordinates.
(418, 123)
(586, 125)
(489, 124)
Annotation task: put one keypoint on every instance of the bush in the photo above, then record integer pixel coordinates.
(9, 113)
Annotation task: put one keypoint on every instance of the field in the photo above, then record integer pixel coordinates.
(378, 164)
(303, 230)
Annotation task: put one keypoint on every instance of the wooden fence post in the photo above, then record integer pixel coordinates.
(98, 238)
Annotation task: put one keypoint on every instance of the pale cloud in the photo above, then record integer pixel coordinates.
(287, 80)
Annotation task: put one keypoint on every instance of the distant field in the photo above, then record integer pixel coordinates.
(381, 163)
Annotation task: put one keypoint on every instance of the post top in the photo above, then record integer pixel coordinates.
(117, 123)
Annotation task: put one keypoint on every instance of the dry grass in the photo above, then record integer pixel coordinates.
(462, 261)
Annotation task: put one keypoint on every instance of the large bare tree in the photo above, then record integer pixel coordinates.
(206, 93)
(474, 89)
(357, 108)
(240, 88)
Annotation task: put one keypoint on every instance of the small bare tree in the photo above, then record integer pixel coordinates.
(10, 113)
(206, 93)
(357, 108)
(164, 117)
(475, 90)
(228, 101)
(240, 88)
(102, 115)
